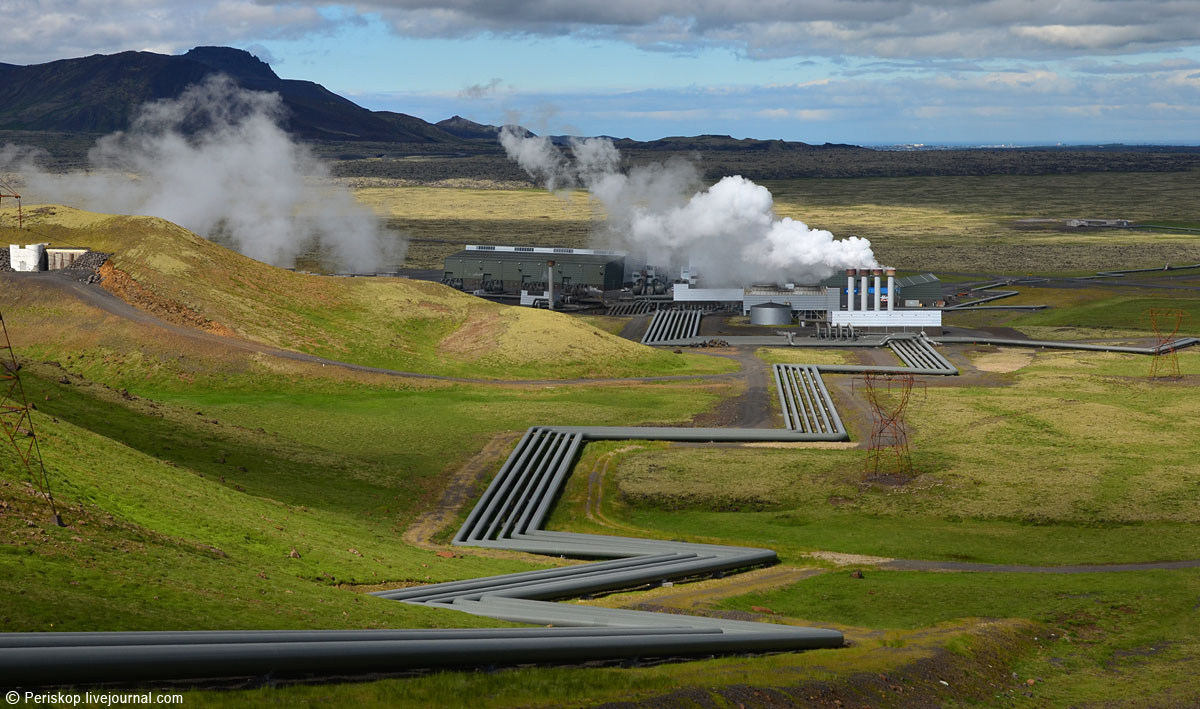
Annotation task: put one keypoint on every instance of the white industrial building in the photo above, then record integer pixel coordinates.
(862, 305)
(31, 257)
(800, 298)
(870, 312)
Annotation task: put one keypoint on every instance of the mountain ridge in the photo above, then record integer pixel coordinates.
(101, 93)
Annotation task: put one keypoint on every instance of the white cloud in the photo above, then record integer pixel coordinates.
(865, 28)
(913, 29)
(36, 32)
(796, 114)
(1038, 80)
(1093, 37)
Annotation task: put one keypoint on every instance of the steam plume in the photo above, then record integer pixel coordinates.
(214, 160)
(728, 232)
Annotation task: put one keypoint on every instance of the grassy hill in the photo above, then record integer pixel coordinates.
(381, 322)
(214, 487)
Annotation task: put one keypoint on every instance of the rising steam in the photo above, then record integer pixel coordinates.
(214, 160)
(728, 232)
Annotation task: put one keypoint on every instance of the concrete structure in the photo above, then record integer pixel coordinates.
(517, 266)
(31, 257)
(59, 257)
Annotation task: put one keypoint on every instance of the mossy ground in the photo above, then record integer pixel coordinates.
(916, 223)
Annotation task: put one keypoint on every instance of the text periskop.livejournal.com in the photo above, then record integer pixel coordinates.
(77, 699)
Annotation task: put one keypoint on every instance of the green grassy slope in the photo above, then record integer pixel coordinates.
(1125, 639)
(1074, 458)
(383, 322)
(188, 472)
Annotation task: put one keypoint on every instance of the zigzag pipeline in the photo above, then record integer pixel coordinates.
(511, 514)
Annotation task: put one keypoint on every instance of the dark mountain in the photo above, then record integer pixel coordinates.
(470, 130)
(99, 94)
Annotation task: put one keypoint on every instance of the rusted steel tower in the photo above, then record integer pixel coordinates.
(888, 455)
(1166, 322)
(6, 191)
(17, 423)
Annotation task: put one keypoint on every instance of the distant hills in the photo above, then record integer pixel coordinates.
(100, 93)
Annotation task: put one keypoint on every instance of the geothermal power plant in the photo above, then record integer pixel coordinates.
(866, 300)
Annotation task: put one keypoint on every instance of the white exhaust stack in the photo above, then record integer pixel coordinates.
(891, 273)
(850, 289)
(877, 273)
(865, 288)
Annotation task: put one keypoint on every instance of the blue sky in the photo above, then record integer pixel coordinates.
(855, 71)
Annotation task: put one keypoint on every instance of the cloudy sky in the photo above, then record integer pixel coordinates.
(858, 71)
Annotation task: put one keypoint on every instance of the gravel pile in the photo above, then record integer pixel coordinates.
(87, 265)
(89, 261)
(5, 261)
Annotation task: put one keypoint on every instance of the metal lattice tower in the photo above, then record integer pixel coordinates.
(888, 455)
(1166, 322)
(7, 191)
(17, 423)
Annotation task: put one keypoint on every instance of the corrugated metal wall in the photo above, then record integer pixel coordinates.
(575, 269)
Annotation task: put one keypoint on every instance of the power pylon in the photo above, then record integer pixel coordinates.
(888, 455)
(1166, 322)
(6, 191)
(17, 423)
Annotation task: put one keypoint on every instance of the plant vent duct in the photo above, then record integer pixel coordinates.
(670, 325)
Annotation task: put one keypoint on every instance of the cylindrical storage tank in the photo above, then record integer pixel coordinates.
(770, 314)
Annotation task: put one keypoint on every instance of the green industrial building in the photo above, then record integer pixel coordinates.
(918, 291)
(924, 288)
(518, 266)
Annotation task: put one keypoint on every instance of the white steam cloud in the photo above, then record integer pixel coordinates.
(215, 161)
(729, 232)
